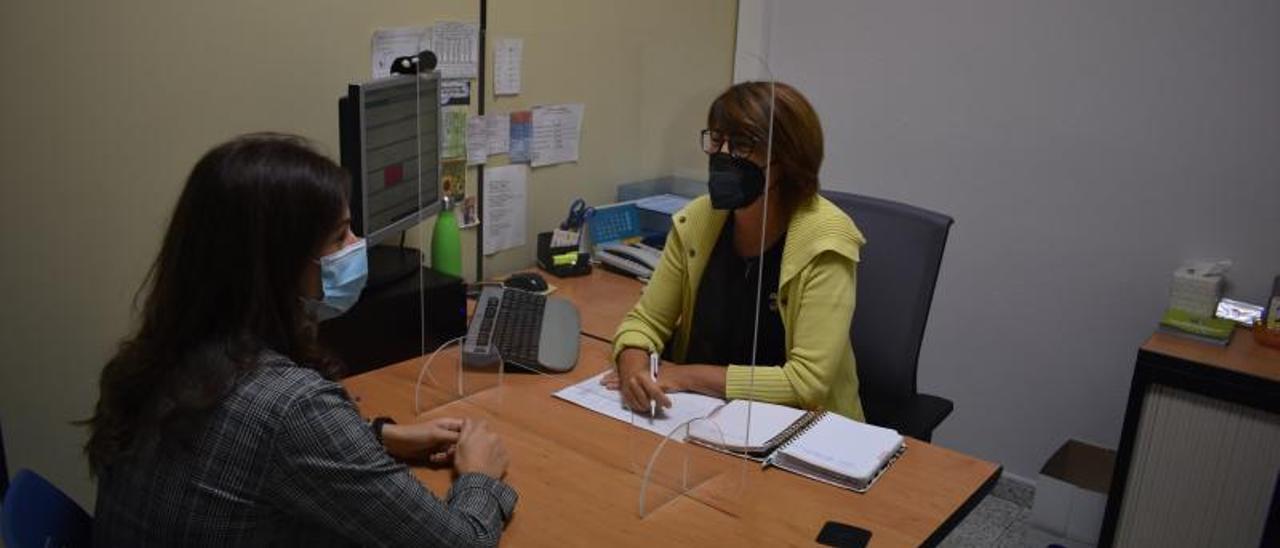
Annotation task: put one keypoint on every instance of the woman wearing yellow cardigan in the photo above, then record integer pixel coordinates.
(702, 297)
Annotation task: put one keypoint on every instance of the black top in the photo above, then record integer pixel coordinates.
(724, 313)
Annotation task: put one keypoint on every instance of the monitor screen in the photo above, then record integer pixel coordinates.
(390, 134)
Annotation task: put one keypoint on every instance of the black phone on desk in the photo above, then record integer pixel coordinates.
(843, 536)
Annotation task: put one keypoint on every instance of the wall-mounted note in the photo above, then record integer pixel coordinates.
(457, 48)
(477, 140)
(388, 44)
(556, 132)
(505, 207)
(453, 137)
(499, 127)
(506, 66)
(521, 136)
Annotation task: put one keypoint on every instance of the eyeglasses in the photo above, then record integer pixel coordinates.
(740, 146)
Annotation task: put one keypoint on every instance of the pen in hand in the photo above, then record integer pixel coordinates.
(653, 375)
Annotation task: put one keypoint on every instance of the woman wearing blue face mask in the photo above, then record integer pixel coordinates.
(220, 422)
(755, 291)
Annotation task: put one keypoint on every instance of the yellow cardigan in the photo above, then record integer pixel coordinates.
(817, 288)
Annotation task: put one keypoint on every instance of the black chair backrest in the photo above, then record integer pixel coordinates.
(896, 276)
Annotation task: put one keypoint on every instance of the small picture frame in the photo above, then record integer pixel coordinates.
(469, 216)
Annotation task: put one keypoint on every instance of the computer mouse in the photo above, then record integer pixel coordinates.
(528, 281)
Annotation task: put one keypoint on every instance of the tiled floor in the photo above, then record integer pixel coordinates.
(998, 522)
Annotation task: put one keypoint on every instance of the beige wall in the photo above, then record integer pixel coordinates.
(94, 157)
(646, 72)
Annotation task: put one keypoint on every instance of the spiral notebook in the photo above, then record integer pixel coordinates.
(820, 445)
(771, 425)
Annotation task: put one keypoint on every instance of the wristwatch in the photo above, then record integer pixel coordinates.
(377, 425)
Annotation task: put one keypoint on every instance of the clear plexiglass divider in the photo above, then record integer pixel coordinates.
(445, 376)
(690, 450)
(640, 120)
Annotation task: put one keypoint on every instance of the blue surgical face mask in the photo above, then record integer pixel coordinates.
(342, 277)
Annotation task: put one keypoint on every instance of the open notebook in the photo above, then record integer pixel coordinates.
(819, 445)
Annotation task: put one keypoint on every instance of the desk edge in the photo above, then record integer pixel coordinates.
(965, 509)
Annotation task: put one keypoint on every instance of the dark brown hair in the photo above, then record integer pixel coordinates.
(744, 109)
(225, 288)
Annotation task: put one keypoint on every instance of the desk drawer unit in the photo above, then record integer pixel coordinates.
(1199, 455)
(1201, 474)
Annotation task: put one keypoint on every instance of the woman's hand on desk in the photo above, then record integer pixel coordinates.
(703, 379)
(632, 379)
(432, 440)
(480, 451)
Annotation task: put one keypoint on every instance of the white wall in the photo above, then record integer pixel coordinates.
(1084, 148)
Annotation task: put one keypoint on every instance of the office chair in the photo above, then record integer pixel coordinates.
(37, 514)
(896, 276)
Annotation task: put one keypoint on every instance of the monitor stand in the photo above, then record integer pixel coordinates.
(390, 264)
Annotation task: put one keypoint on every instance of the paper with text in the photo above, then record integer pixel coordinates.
(557, 130)
(505, 207)
(457, 48)
(477, 140)
(499, 128)
(506, 66)
(387, 44)
(685, 406)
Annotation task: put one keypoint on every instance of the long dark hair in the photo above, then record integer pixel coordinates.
(225, 288)
(744, 109)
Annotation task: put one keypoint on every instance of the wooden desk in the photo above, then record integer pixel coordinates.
(1200, 449)
(574, 472)
(602, 298)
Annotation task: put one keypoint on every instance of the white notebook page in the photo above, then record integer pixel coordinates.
(767, 420)
(847, 447)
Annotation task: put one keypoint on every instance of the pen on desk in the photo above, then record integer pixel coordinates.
(653, 375)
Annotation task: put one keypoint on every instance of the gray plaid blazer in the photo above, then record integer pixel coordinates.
(287, 460)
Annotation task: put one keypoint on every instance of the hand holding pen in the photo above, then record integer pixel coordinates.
(636, 382)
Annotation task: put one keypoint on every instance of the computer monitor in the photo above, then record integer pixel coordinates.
(389, 131)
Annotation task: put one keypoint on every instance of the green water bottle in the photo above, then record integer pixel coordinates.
(446, 242)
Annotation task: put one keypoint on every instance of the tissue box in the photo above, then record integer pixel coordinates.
(1196, 288)
(1071, 492)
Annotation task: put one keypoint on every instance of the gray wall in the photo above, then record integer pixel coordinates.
(1085, 149)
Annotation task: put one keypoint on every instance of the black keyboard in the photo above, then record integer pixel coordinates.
(518, 327)
(522, 332)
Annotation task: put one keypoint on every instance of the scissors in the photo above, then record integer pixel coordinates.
(579, 213)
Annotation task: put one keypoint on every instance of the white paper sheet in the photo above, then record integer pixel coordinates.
(685, 406)
(505, 207)
(499, 128)
(506, 66)
(457, 48)
(557, 130)
(477, 140)
(387, 44)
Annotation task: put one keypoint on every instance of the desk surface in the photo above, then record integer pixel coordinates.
(1244, 355)
(602, 298)
(574, 471)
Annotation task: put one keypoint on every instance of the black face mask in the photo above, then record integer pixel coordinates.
(734, 182)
